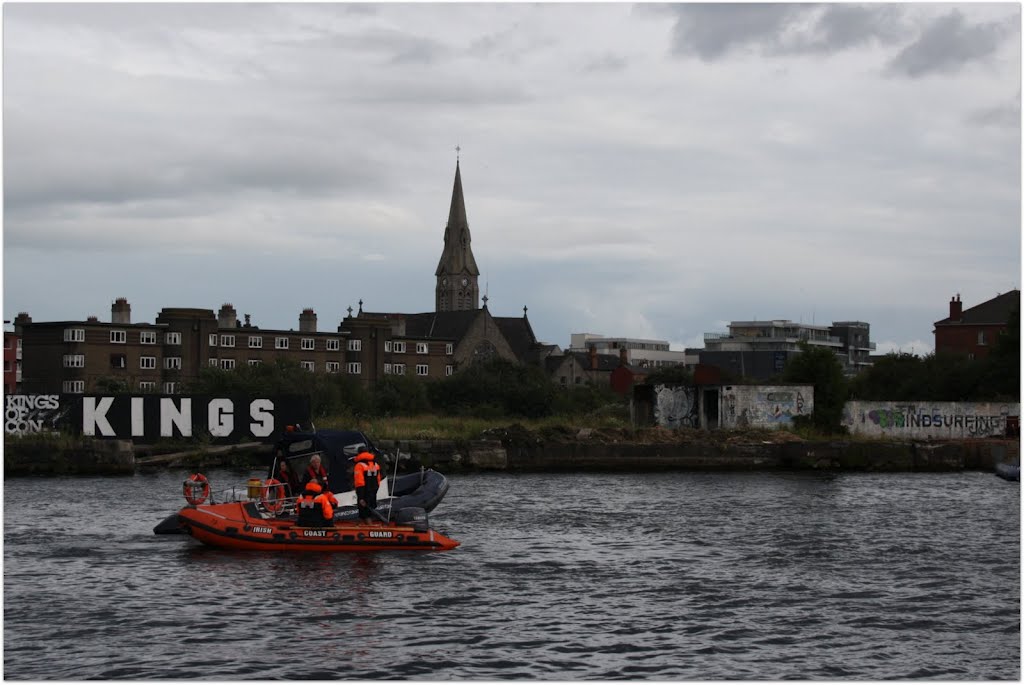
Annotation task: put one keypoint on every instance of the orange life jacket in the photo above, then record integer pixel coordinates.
(366, 470)
(316, 508)
(320, 474)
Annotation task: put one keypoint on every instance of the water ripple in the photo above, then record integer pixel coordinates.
(559, 577)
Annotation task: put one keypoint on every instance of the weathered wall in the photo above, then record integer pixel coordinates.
(675, 406)
(928, 420)
(764, 406)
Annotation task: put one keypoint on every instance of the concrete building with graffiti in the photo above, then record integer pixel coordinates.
(932, 420)
(677, 406)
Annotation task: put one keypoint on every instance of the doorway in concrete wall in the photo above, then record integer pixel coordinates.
(710, 402)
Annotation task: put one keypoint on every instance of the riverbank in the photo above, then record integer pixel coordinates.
(517, 449)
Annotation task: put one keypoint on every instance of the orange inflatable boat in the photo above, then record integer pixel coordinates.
(247, 525)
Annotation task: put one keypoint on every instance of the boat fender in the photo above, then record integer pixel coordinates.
(413, 516)
(196, 489)
(272, 495)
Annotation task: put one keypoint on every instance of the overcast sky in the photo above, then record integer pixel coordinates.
(650, 171)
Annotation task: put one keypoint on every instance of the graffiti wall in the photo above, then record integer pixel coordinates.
(155, 417)
(929, 420)
(675, 406)
(764, 406)
(25, 414)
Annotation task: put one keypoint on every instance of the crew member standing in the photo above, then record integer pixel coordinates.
(316, 507)
(366, 479)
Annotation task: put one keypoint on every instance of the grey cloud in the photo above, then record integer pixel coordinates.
(844, 26)
(949, 44)
(606, 63)
(712, 30)
(1006, 115)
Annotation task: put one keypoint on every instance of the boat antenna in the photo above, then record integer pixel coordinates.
(391, 485)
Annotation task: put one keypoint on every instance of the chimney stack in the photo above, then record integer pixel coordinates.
(121, 312)
(307, 321)
(20, 320)
(227, 317)
(956, 309)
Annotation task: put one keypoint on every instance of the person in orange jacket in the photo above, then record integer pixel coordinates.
(366, 479)
(315, 506)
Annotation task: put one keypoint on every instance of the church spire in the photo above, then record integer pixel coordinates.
(457, 272)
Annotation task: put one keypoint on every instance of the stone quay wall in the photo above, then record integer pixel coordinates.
(842, 455)
(532, 454)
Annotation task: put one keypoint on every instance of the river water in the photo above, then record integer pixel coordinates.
(675, 576)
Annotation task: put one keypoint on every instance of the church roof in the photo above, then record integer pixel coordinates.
(519, 334)
(457, 256)
(440, 325)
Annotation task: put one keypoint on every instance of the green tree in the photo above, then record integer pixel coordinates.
(577, 400)
(400, 396)
(1001, 377)
(895, 377)
(112, 386)
(667, 375)
(495, 387)
(820, 367)
(328, 393)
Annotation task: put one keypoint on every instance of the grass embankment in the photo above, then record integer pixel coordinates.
(436, 427)
(601, 426)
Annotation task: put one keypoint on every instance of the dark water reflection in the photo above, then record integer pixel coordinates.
(559, 577)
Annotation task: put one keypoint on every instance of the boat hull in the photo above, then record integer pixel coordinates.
(239, 525)
(421, 490)
(1008, 471)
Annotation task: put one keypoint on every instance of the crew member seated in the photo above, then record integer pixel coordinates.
(315, 507)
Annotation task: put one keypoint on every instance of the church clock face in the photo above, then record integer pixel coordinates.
(444, 281)
(465, 281)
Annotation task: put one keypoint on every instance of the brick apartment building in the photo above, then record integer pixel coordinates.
(973, 331)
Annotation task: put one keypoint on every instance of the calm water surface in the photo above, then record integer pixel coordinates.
(559, 577)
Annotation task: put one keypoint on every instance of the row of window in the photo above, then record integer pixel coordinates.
(168, 388)
(119, 361)
(254, 341)
(330, 344)
(354, 368)
(121, 337)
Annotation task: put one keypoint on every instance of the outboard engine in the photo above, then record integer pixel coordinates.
(413, 516)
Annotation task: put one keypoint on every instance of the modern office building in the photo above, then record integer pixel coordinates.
(639, 352)
(760, 349)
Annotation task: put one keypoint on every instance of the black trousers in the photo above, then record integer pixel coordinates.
(368, 494)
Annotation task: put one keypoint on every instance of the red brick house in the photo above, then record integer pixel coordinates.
(973, 331)
(12, 362)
